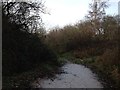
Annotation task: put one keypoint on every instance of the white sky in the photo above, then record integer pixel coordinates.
(65, 12)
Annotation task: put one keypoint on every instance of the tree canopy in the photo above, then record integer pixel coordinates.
(26, 14)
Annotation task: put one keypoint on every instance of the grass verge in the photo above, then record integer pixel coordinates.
(90, 62)
(25, 79)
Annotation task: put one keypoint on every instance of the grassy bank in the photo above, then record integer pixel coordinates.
(25, 79)
(103, 72)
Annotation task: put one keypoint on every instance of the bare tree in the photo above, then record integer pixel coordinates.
(26, 14)
(96, 15)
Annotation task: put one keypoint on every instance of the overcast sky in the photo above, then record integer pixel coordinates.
(65, 12)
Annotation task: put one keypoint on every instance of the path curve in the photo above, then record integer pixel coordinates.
(75, 76)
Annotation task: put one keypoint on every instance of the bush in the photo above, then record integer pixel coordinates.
(22, 51)
(109, 64)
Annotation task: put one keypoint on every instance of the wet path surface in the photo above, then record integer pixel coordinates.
(75, 76)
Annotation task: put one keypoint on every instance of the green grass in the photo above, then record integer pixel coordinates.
(70, 57)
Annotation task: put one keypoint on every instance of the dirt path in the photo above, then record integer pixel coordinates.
(75, 76)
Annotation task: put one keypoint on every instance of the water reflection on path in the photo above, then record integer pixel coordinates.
(75, 76)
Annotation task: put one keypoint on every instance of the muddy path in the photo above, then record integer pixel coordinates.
(74, 76)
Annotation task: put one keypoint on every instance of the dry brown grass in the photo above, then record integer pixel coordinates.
(109, 64)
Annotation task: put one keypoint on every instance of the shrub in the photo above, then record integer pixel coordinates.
(109, 64)
(23, 50)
